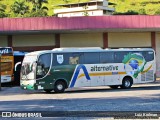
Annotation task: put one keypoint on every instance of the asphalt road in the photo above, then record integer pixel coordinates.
(144, 97)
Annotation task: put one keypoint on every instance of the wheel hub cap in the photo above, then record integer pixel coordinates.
(59, 87)
(127, 83)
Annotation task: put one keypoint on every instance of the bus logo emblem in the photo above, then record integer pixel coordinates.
(60, 59)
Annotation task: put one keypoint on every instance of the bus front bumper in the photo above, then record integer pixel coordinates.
(28, 84)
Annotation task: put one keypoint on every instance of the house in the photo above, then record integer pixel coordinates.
(91, 8)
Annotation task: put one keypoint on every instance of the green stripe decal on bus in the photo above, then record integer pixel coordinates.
(77, 73)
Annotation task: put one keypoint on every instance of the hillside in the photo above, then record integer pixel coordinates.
(145, 7)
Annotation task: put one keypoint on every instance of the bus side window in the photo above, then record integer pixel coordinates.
(91, 58)
(76, 58)
(149, 56)
(119, 56)
(60, 59)
(107, 57)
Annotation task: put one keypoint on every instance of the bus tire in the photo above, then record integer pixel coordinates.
(59, 87)
(127, 83)
(114, 86)
(48, 90)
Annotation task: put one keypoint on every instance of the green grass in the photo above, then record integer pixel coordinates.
(149, 7)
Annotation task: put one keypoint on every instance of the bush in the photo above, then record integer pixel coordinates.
(129, 12)
(39, 13)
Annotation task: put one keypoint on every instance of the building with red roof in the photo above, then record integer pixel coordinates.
(30, 34)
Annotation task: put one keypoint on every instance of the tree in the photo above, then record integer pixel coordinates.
(39, 13)
(19, 8)
(85, 13)
(38, 5)
(66, 1)
(38, 9)
(2, 8)
(2, 11)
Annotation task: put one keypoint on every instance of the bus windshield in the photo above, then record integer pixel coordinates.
(28, 67)
(34, 67)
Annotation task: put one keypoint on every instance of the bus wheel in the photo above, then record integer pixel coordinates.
(114, 86)
(59, 87)
(47, 90)
(126, 83)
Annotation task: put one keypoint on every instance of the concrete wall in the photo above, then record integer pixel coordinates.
(81, 40)
(33, 40)
(129, 39)
(158, 53)
(3, 41)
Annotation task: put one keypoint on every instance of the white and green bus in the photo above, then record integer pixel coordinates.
(63, 68)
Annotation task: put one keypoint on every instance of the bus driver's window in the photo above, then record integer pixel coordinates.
(43, 65)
